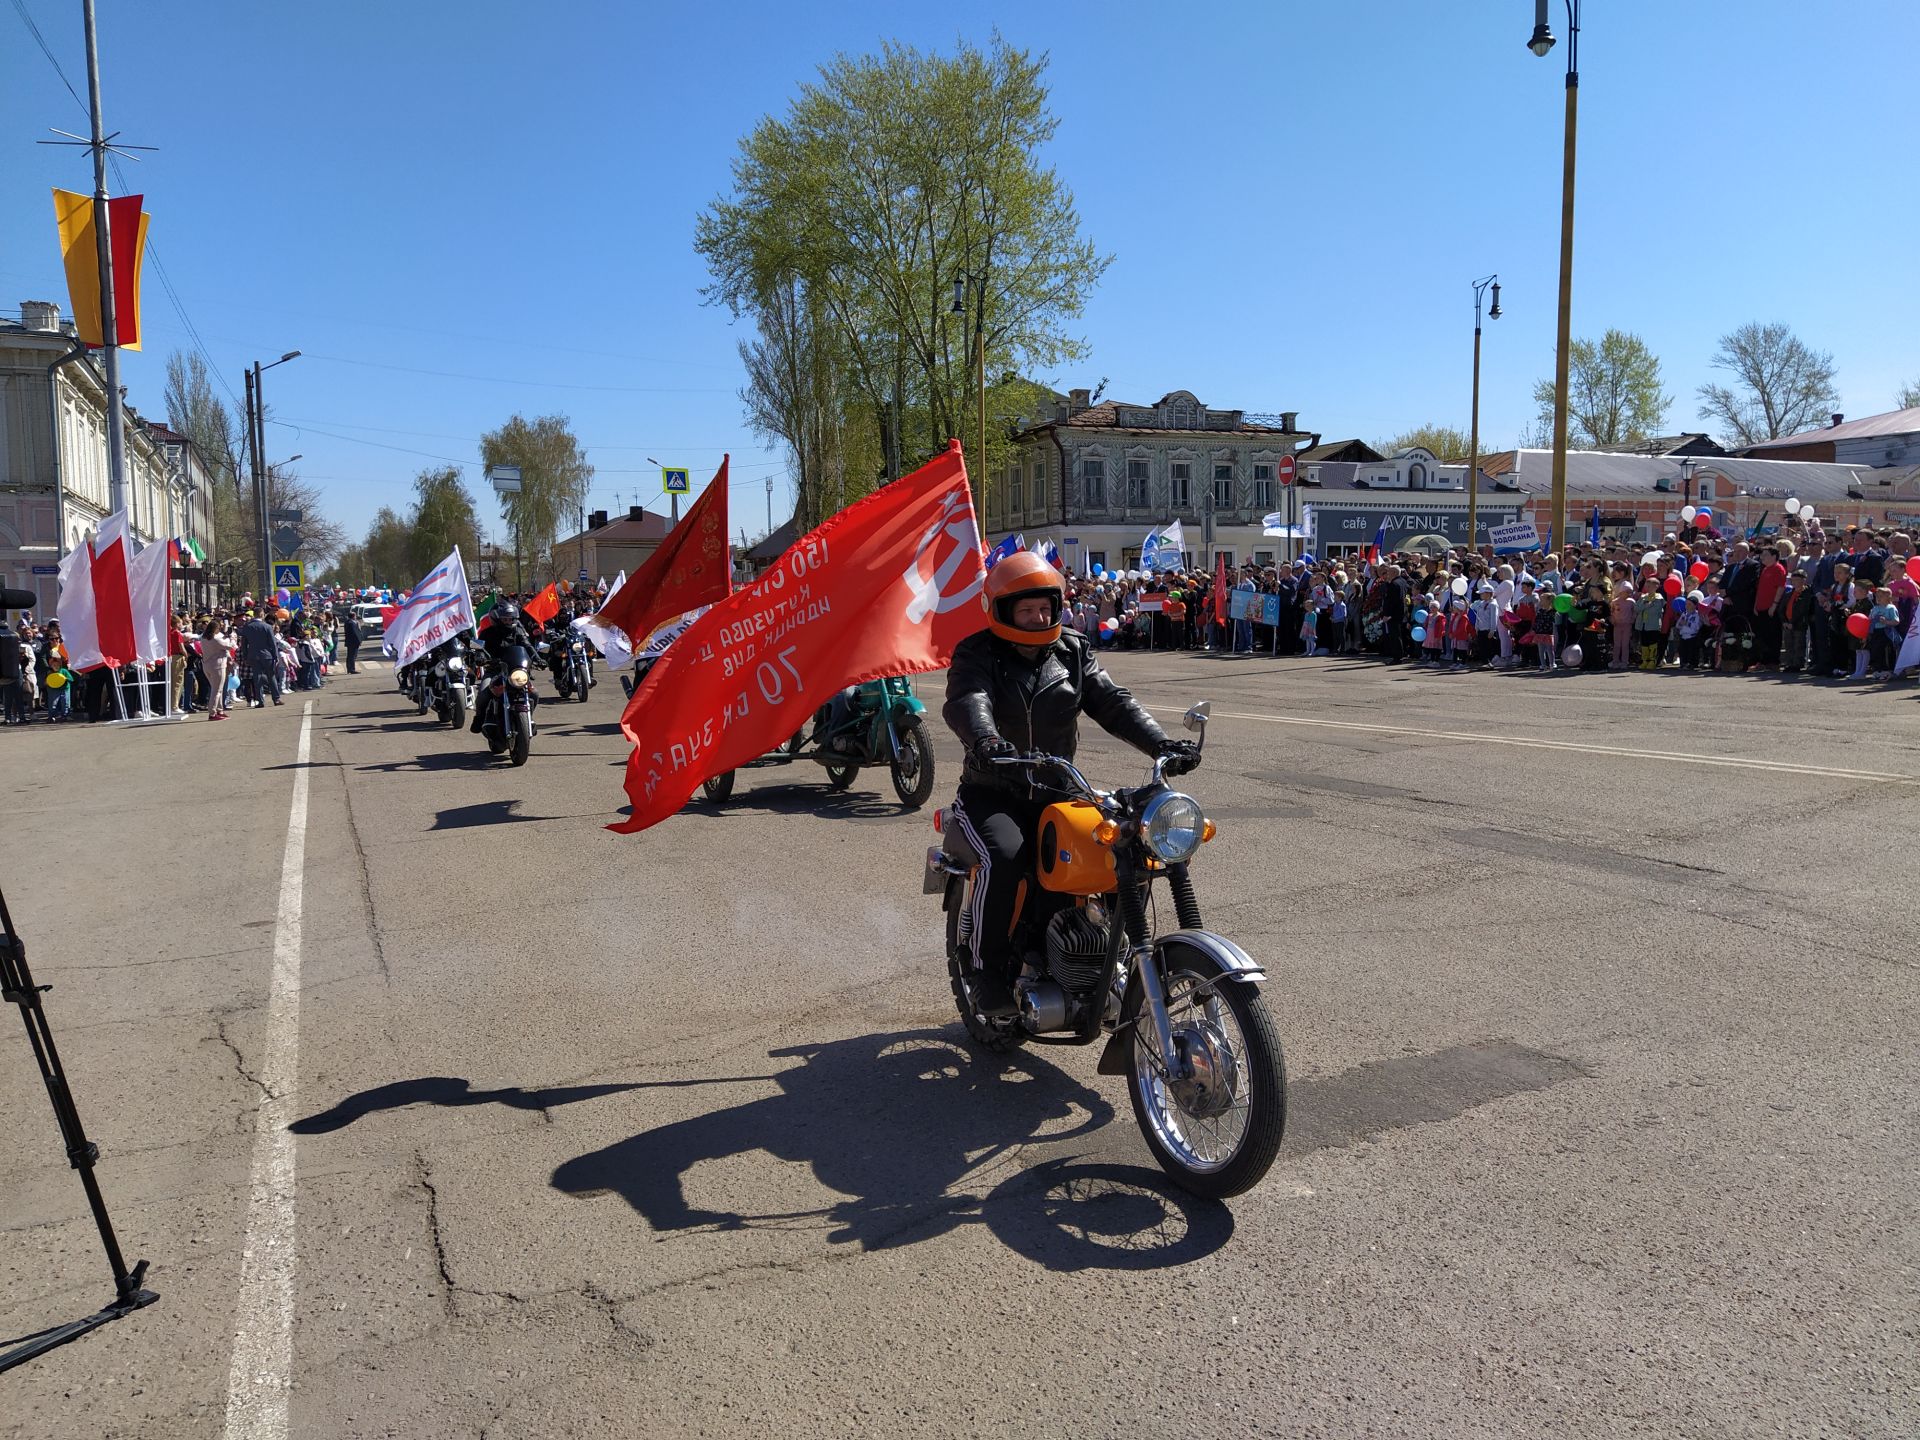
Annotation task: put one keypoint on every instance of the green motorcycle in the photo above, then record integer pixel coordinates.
(882, 722)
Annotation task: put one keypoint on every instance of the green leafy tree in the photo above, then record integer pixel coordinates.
(443, 517)
(1444, 441)
(389, 550)
(1781, 385)
(554, 474)
(1613, 392)
(889, 180)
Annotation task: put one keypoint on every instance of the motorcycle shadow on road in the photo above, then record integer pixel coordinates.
(791, 798)
(911, 1127)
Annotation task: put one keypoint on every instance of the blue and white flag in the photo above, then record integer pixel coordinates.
(1164, 549)
(438, 609)
(1008, 546)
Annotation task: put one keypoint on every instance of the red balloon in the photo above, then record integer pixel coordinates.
(1913, 567)
(1698, 570)
(1857, 626)
(1671, 585)
(1702, 520)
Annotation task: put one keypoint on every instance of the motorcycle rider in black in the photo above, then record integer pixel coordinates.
(505, 628)
(1020, 685)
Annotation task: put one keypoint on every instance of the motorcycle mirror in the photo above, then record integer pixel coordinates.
(1197, 717)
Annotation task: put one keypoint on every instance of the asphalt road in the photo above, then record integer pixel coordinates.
(1598, 994)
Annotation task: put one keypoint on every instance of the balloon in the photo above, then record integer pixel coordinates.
(1671, 585)
(1576, 616)
(1572, 656)
(1652, 557)
(1688, 513)
(1793, 504)
(1459, 586)
(1419, 617)
(1913, 567)
(1419, 635)
(1807, 517)
(1563, 602)
(1677, 605)
(282, 595)
(56, 678)
(1857, 626)
(1704, 513)
(1699, 569)
(1703, 521)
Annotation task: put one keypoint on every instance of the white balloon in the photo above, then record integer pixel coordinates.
(1459, 586)
(1793, 504)
(1572, 656)
(1652, 557)
(1687, 514)
(1806, 512)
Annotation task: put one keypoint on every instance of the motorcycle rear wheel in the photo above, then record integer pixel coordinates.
(997, 1036)
(840, 777)
(913, 770)
(1226, 1154)
(718, 788)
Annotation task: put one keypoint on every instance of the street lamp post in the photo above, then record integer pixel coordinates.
(1540, 43)
(257, 439)
(1473, 441)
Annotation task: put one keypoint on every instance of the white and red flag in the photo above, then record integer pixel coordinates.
(886, 587)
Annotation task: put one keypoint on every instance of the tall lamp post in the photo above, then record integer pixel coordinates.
(960, 288)
(257, 439)
(1473, 441)
(1540, 44)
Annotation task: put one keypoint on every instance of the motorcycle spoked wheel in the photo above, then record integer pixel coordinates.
(997, 1036)
(1220, 1144)
(718, 788)
(913, 769)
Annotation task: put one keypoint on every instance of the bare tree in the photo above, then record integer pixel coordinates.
(1781, 385)
(1909, 396)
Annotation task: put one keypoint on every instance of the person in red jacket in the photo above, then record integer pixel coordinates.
(1768, 599)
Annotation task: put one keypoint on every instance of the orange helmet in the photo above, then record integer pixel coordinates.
(1019, 576)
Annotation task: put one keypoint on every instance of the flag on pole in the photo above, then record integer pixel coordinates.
(1220, 588)
(544, 606)
(81, 252)
(75, 610)
(483, 612)
(1013, 544)
(886, 587)
(438, 608)
(1378, 545)
(692, 567)
(1164, 549)
(112, 601)
(147, 592)
(1593, 527)
(1050, 553)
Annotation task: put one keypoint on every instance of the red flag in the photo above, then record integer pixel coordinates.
(1220, 589)
(388, 614)
(544, 606)
(886, 587)
(112, 599)
(692, 567)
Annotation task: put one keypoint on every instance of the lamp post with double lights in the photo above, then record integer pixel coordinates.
(257, 440)
(1540, 43)
(1480, 288)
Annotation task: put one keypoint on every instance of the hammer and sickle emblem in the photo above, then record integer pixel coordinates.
(930, 595)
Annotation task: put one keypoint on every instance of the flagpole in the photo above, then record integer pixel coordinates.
(103, 244)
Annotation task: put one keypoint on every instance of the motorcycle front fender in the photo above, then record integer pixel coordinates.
(1235, 964)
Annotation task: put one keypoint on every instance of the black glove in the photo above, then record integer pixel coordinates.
(990, 748)
(1180, 755)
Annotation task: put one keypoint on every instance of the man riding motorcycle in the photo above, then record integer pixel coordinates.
(505, 628)
(1020, 685)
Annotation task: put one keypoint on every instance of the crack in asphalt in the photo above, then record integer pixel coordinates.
(374, 932)
(423, 1177)
(240, 1061)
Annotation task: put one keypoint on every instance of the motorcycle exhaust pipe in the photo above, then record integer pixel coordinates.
(1043, 1006)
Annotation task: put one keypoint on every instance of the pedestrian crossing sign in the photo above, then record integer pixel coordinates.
(675, 480)
(289, 575)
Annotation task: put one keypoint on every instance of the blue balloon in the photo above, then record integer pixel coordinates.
(1677, 605)
(1419, 636)
(1419, 617)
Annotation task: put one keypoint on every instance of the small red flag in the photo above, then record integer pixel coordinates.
(1220, 589)
(692, 567)
(544, 606)
(886, 587)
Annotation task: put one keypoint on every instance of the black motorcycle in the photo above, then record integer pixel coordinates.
(507, 703)
(447, 679)
(566, 655)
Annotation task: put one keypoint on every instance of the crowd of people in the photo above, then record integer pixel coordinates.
(1799, 600)
(249, 655)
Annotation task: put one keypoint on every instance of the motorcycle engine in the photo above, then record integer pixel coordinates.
(1077, 949)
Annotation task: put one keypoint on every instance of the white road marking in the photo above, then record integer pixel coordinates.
(1777, 767)
(261, 1376)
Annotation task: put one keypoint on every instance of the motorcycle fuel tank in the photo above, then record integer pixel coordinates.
(1071, 861)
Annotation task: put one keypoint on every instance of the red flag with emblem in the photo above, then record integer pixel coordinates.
(692, 567)
(544, 606)
(886, 587)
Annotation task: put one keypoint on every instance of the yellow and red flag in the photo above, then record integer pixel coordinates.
(82, 255)
(544, 606)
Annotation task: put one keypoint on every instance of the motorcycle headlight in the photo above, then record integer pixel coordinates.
(1173, 827)
(455, 665)
(517, 678)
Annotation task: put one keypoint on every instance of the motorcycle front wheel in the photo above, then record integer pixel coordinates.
(457, 710)
(840, 777)
(913, 770)
(1218, 1133)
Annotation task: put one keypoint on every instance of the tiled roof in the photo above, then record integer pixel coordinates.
(1893, 422)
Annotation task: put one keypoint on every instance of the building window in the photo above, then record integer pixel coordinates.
(1226, 555)
(1263, 486)
(1137, 484)
(1037, 492)
(1182, 485)
(1096, 557)
(1263, 558)
(1093, 484)
(1015, 492)
(1223, 487)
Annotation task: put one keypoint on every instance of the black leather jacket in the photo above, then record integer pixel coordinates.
(1032, 696)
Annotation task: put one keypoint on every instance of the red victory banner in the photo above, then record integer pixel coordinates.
(886, 587)
(692, 567)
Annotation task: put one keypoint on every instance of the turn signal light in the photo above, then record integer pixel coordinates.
(940, 822)
(1206, 831)
(1106, 832)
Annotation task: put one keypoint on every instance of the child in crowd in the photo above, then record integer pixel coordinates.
(1486, 626)
(1541, 637)
(1460, 632)
(1622, 620)
(1883, 632)
(1688, 628)
(1649, 607)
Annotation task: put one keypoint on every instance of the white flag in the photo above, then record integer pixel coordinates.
(147, 588)
(75, 612)
(1909, 648)
(437, 609)
(610, 640)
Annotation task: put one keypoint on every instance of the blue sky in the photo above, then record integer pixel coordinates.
(1297, 198)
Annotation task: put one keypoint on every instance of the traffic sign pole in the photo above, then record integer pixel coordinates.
(1287, 469)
